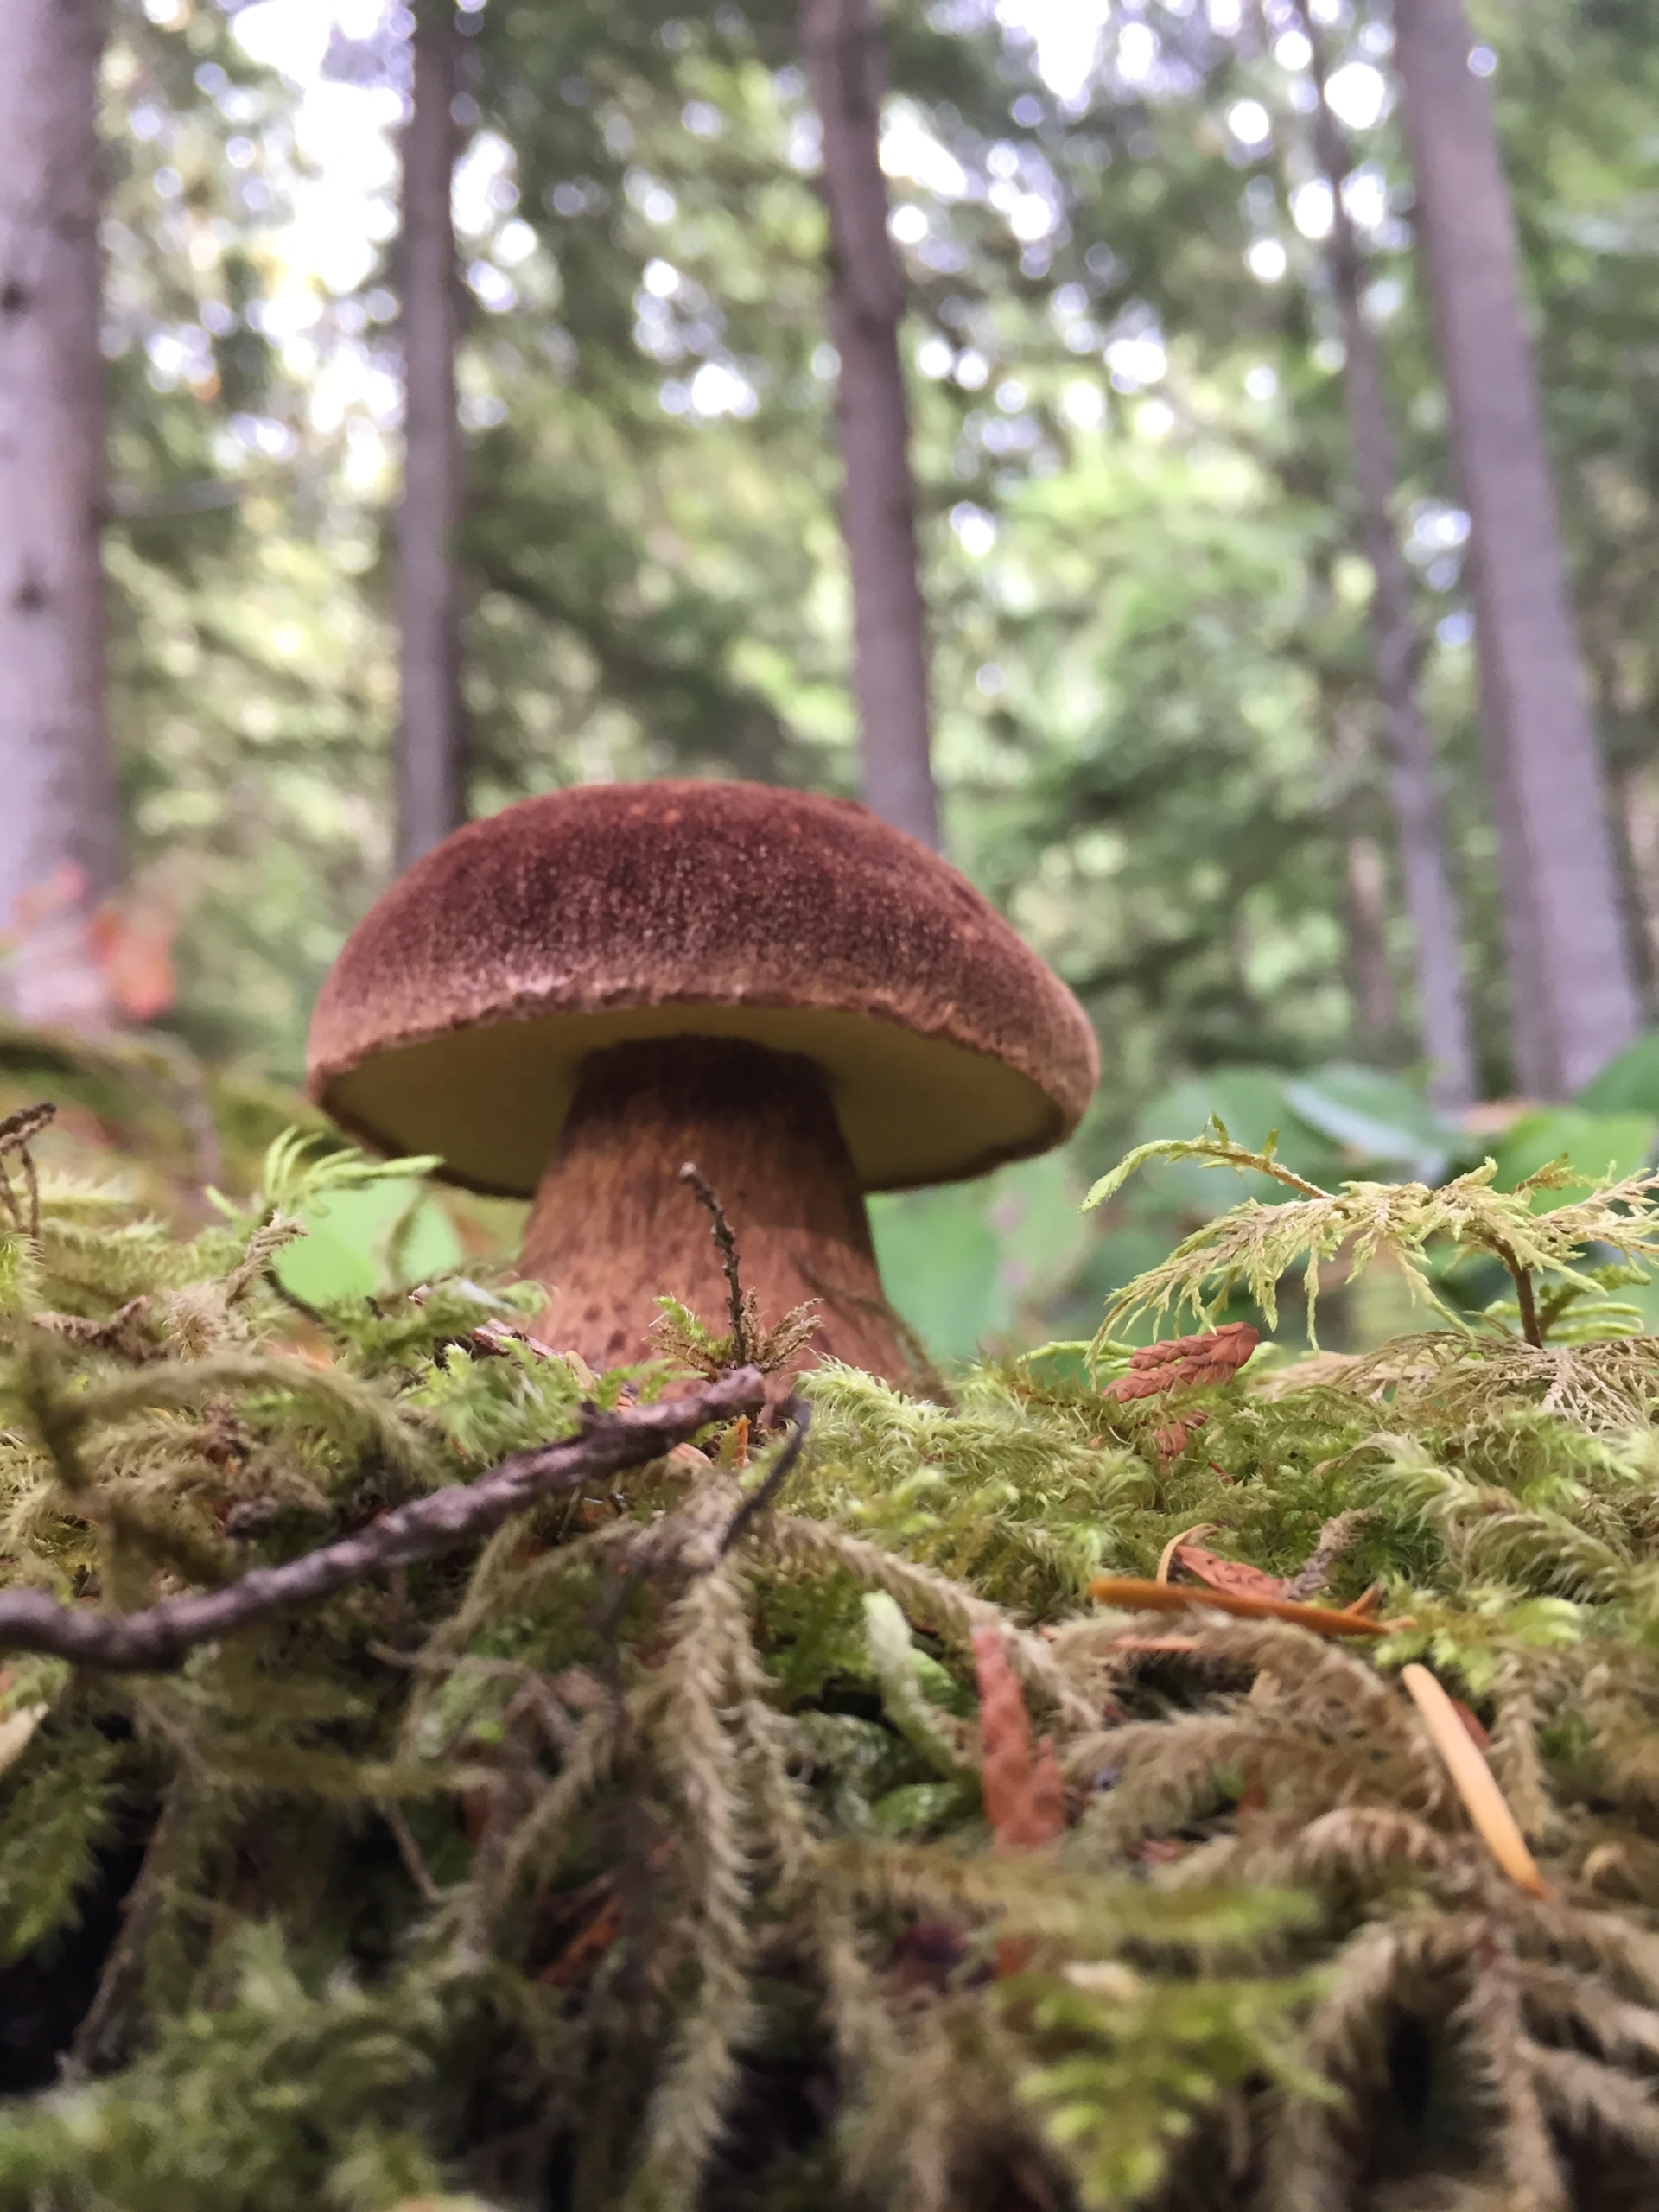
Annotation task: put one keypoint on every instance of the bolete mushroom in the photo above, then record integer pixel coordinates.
(578, 994)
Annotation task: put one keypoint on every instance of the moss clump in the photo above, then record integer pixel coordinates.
(623, 1862)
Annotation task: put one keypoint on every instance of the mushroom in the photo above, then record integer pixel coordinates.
(575, 996)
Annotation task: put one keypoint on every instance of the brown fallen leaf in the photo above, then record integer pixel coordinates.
(1473, 1727)
(1020, 1782)
(1252, 1797)
(1219, 1573)
(1173, 1439)
(1167, 1558)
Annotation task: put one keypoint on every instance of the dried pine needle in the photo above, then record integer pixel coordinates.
(1471, 1777)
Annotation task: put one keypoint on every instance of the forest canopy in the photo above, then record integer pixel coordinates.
(1158, 741)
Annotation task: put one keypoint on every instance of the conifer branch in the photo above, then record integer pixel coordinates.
(1521, 1278)
(159, 1635)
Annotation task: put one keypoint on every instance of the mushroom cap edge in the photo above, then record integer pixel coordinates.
(461, 1008)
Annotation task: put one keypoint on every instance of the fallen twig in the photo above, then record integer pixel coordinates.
(1337, 1535)
(159, 1635)
(1135, 1595)
(777, 1475)
(725, 1244)
(16, 1133)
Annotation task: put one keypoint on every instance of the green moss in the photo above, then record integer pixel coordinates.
(598, 1867)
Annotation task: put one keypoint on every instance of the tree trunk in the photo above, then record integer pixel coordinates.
(1639, 802)
(1431, 903)
(431, 738)
(845, 60)
(1573, 1001)
(1370, 979)
(60, 828)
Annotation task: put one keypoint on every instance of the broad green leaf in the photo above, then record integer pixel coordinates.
(1590, 1144)
(348, 1251)
(1378, 1119)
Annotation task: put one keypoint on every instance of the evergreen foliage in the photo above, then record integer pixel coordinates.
(1157, 735)
(645, 1857)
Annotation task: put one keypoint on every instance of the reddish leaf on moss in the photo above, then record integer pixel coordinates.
(1024, 1801)
(1234, 1575)
(1186, 1363)
(586, 1948)
(1474, 1726)
(1173, 1440)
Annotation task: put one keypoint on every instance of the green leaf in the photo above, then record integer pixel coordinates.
(1590, 1145)
(1629, 1082)
(1378, 1118)
(351, 1233)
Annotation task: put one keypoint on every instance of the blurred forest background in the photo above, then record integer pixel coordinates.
(1171, 679)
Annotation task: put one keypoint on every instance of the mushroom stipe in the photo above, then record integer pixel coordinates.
(762, 1130)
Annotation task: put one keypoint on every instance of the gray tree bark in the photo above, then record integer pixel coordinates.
(1573, 1001)
(1420, 822)
(60, 847)
(1370, 978)
(430, 766)
(846, 66)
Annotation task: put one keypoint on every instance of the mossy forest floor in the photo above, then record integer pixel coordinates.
(639, 1857)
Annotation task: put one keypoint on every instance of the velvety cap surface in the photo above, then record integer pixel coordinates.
(462, 1005)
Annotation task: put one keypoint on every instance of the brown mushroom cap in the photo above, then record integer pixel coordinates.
(464, 1002)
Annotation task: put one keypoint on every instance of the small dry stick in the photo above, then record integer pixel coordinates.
(409, 1852)
(1133, 1595)
(159, 1635)
(759, 1499)
(1471, 1777)
(1337, 1536)
(720, 1230)
(15, 1132)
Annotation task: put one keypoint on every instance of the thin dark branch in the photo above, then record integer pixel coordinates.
(409, 1852)
(20, 1127)
(1521, 1278)
(15, 1132)
(159, 1635)
(1338, 1535)
(777, 1475)
(727, 1243)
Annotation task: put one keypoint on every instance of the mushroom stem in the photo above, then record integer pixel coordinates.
(613, 1227)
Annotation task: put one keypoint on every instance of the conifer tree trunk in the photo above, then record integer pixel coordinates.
(846, 63)
(1420, 824)
(1370, 979)
(60, 827)
(1573, 1001)
(431, 765)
